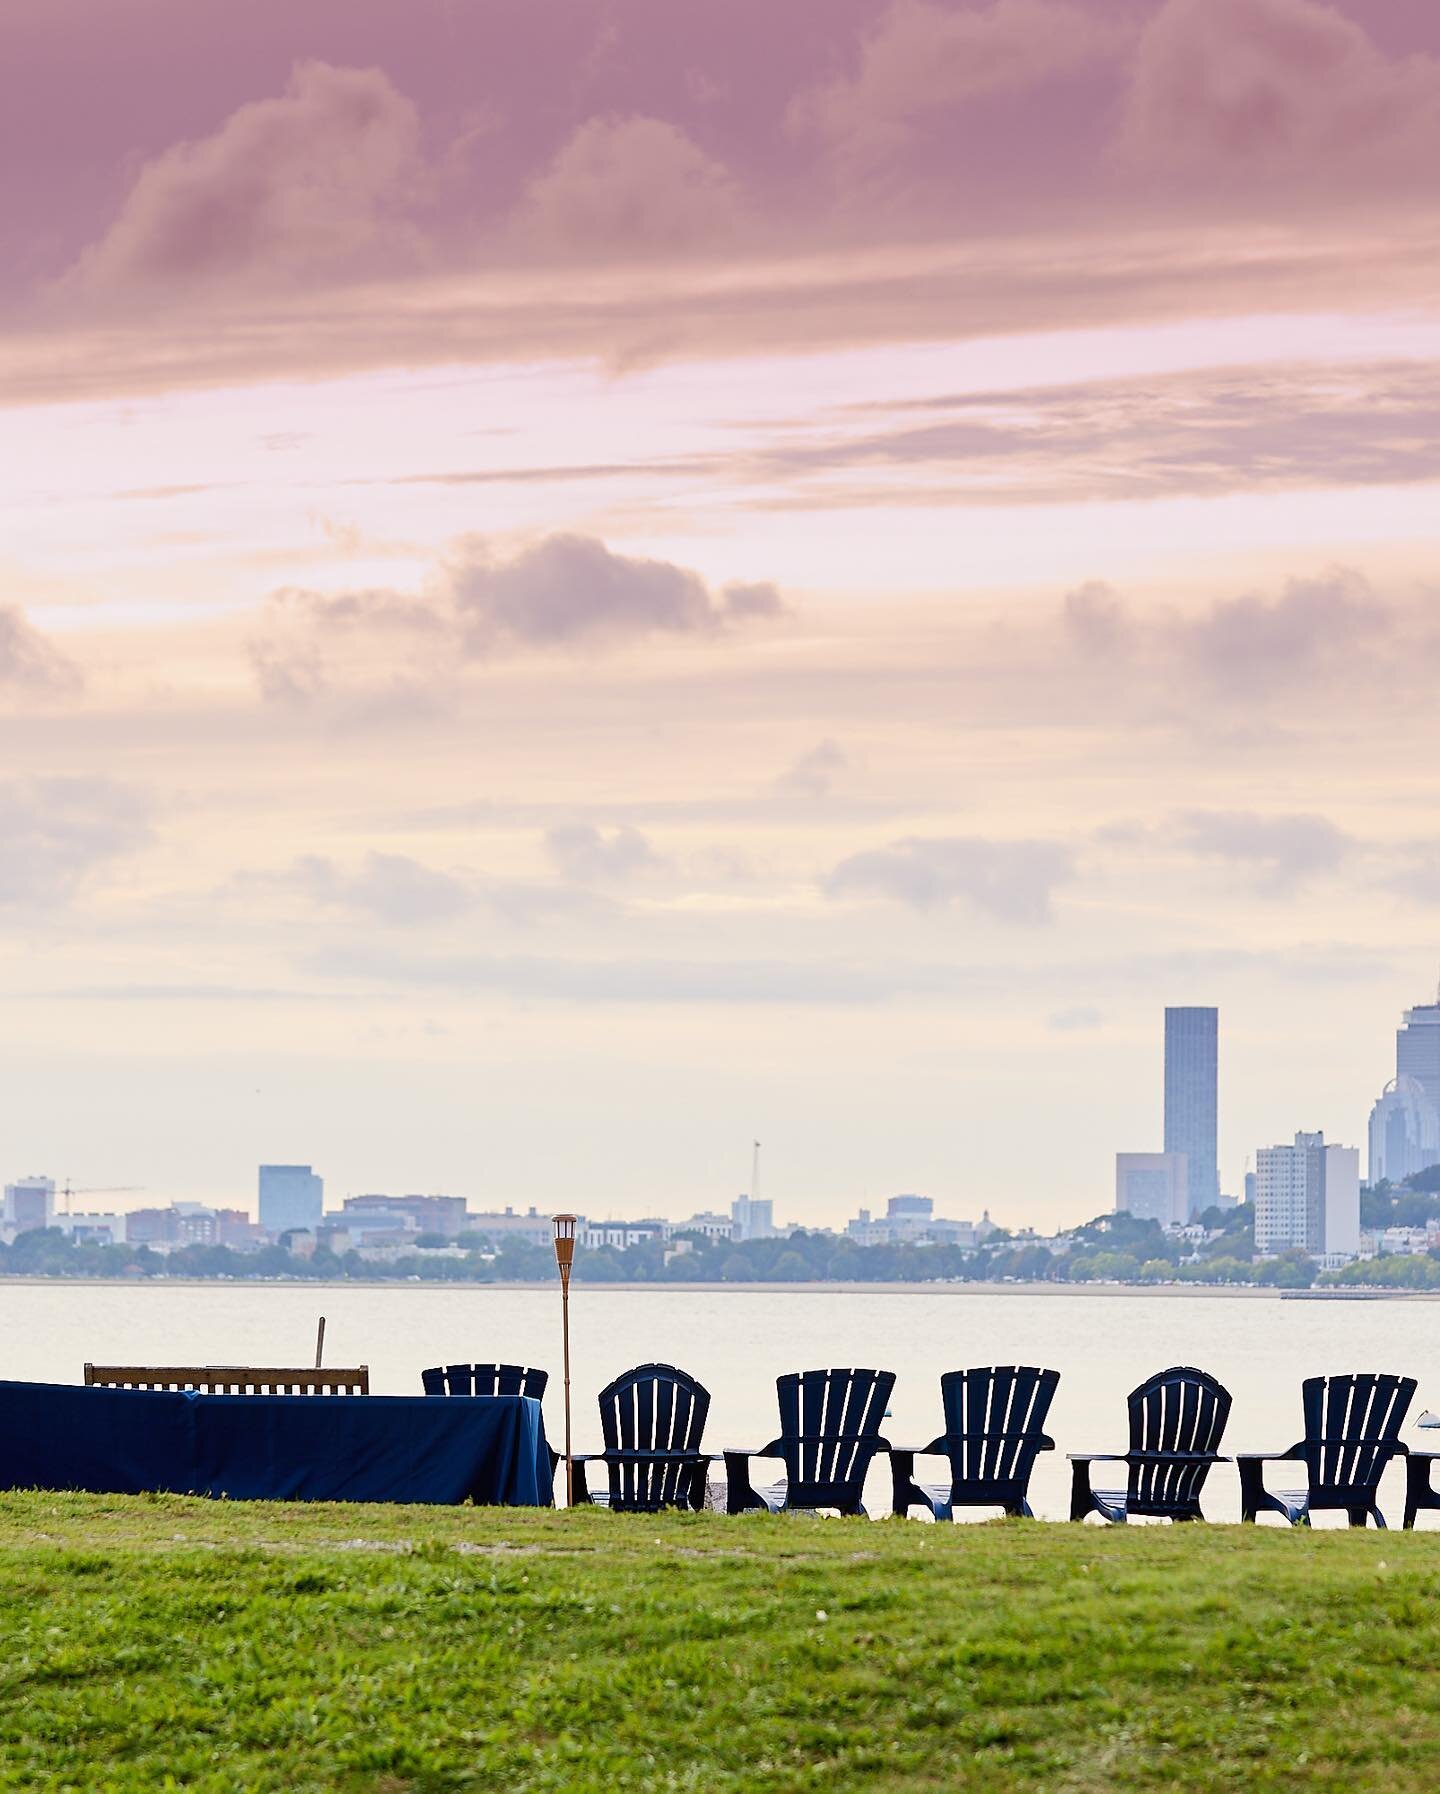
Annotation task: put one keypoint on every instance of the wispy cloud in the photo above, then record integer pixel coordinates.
(58, 832)
(1013, 881)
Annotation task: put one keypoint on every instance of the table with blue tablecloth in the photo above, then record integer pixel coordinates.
(486, 1449)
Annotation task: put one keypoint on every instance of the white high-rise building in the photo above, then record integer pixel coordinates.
(1342, 1202)
(752, 1218)
(1307, 1196)
(291, 1196)
(1153, 1186)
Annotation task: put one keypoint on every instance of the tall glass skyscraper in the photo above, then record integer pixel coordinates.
(1191, 1089)
(1417, 1049)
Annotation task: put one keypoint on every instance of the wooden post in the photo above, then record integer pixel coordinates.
(564, 1258)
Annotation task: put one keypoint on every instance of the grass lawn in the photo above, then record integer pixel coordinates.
(173, 1643)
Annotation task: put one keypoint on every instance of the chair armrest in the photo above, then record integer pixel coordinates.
(1046, 1443)
(1176, 1457)
(1270, 1457)
(1096, 1457)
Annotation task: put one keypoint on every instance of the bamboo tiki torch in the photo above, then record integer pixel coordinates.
(564, 1258)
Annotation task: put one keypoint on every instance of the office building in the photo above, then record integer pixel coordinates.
(1417, 1049)
(1342, 1202)
(1191, 1093)
(30, 1203)
(912, 1221)
(1307, 1196)
(291, 1196)
(428, 1214)
(1153, 1186)
(92, 1230)
(752, 1218)
(1404, 1131)
(496, 1227)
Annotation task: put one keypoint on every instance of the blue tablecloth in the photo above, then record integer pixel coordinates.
(490, 1449)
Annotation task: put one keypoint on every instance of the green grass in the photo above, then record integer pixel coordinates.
(172, 1643)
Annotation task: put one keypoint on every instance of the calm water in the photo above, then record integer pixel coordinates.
(737, 1341)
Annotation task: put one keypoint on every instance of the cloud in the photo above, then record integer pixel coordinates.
(1241, 647)
(388, 887)
(588, 855)
(286, 188)
(922, 59)
(1013, 881)
(1202, 431)
(1240, 94)
(1251, 640)
(59, 831)
(399, 891)
(572, 589)
(563, 592)
(1283, 850)
(814, 774)
(29, 663)
(630, 186)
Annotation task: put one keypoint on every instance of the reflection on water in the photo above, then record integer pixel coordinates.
(738, 1341)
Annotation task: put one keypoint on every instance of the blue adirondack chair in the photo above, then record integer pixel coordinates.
(994, 1431)
(484, 1379)
(1352, 1431)
(1177, 1419)
(653, 1422)
(829, 1435)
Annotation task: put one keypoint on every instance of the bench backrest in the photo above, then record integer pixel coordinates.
(1352, 1429)
(995, 1423)
(485, 1379)
(1176, 1417)
(658, 1411)
(830, 1432)
(230, 1379)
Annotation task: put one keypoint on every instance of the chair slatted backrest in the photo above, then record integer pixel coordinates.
(1179, 1414)
(659, 1412)
(830, 1432)
(1352, 1429)
(995, 1422)
(485, 1379)
(229, 1379)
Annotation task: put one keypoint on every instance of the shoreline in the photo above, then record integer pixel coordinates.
(1175, 1291)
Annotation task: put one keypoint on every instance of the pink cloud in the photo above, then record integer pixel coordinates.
(287, 187)
(921, 58)
(632, 185)
(1253, 91)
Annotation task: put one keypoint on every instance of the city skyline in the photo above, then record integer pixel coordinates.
(581, 589)
(1149, 1184)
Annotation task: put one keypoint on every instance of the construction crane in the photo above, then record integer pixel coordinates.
(100, 1190)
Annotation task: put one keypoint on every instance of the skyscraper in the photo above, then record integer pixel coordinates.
(291, 1196)
(1191, 1088)
(1417, 1048)
(1404, 1131)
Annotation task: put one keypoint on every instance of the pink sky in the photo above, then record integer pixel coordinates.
(580, 584)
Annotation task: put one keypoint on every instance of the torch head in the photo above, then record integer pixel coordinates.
(564, 1243)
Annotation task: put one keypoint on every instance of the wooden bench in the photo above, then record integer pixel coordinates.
(229, 1379)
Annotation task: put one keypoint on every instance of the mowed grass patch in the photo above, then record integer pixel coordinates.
(164, 1642)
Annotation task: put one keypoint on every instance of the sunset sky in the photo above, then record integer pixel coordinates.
(586, 581)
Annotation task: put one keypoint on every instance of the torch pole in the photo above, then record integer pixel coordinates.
(564, 1258)
(565, 1334)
